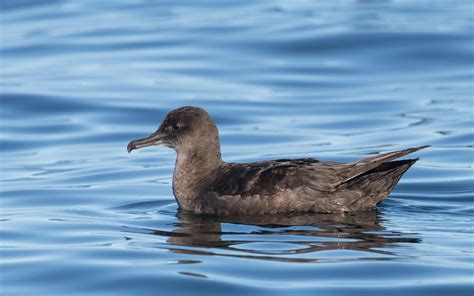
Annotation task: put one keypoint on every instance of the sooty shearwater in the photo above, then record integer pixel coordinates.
(204, 183)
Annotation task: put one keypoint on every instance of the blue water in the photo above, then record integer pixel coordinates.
(335, 80)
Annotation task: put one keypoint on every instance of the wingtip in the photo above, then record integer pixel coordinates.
(419, 148)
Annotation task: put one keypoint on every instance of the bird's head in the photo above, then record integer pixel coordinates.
(186, 129)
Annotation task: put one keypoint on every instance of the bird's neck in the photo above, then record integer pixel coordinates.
(193, 170)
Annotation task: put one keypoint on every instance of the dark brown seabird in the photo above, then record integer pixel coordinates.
(204, 183)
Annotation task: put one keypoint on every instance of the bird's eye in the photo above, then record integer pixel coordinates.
(175, 125)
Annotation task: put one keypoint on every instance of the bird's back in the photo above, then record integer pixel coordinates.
(305, 185)
(271, 186)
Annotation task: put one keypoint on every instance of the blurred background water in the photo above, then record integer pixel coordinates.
(335, 80)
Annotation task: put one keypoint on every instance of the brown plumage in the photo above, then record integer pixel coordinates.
(204, 183)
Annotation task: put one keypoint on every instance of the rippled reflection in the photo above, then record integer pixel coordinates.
(284, 236)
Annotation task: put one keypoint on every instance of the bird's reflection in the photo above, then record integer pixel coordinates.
(305, 233)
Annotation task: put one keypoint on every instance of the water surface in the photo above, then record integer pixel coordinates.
(335, 80)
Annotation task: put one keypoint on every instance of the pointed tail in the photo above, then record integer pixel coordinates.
(362, 166)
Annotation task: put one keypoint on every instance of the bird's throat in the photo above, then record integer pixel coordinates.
(193, 170)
